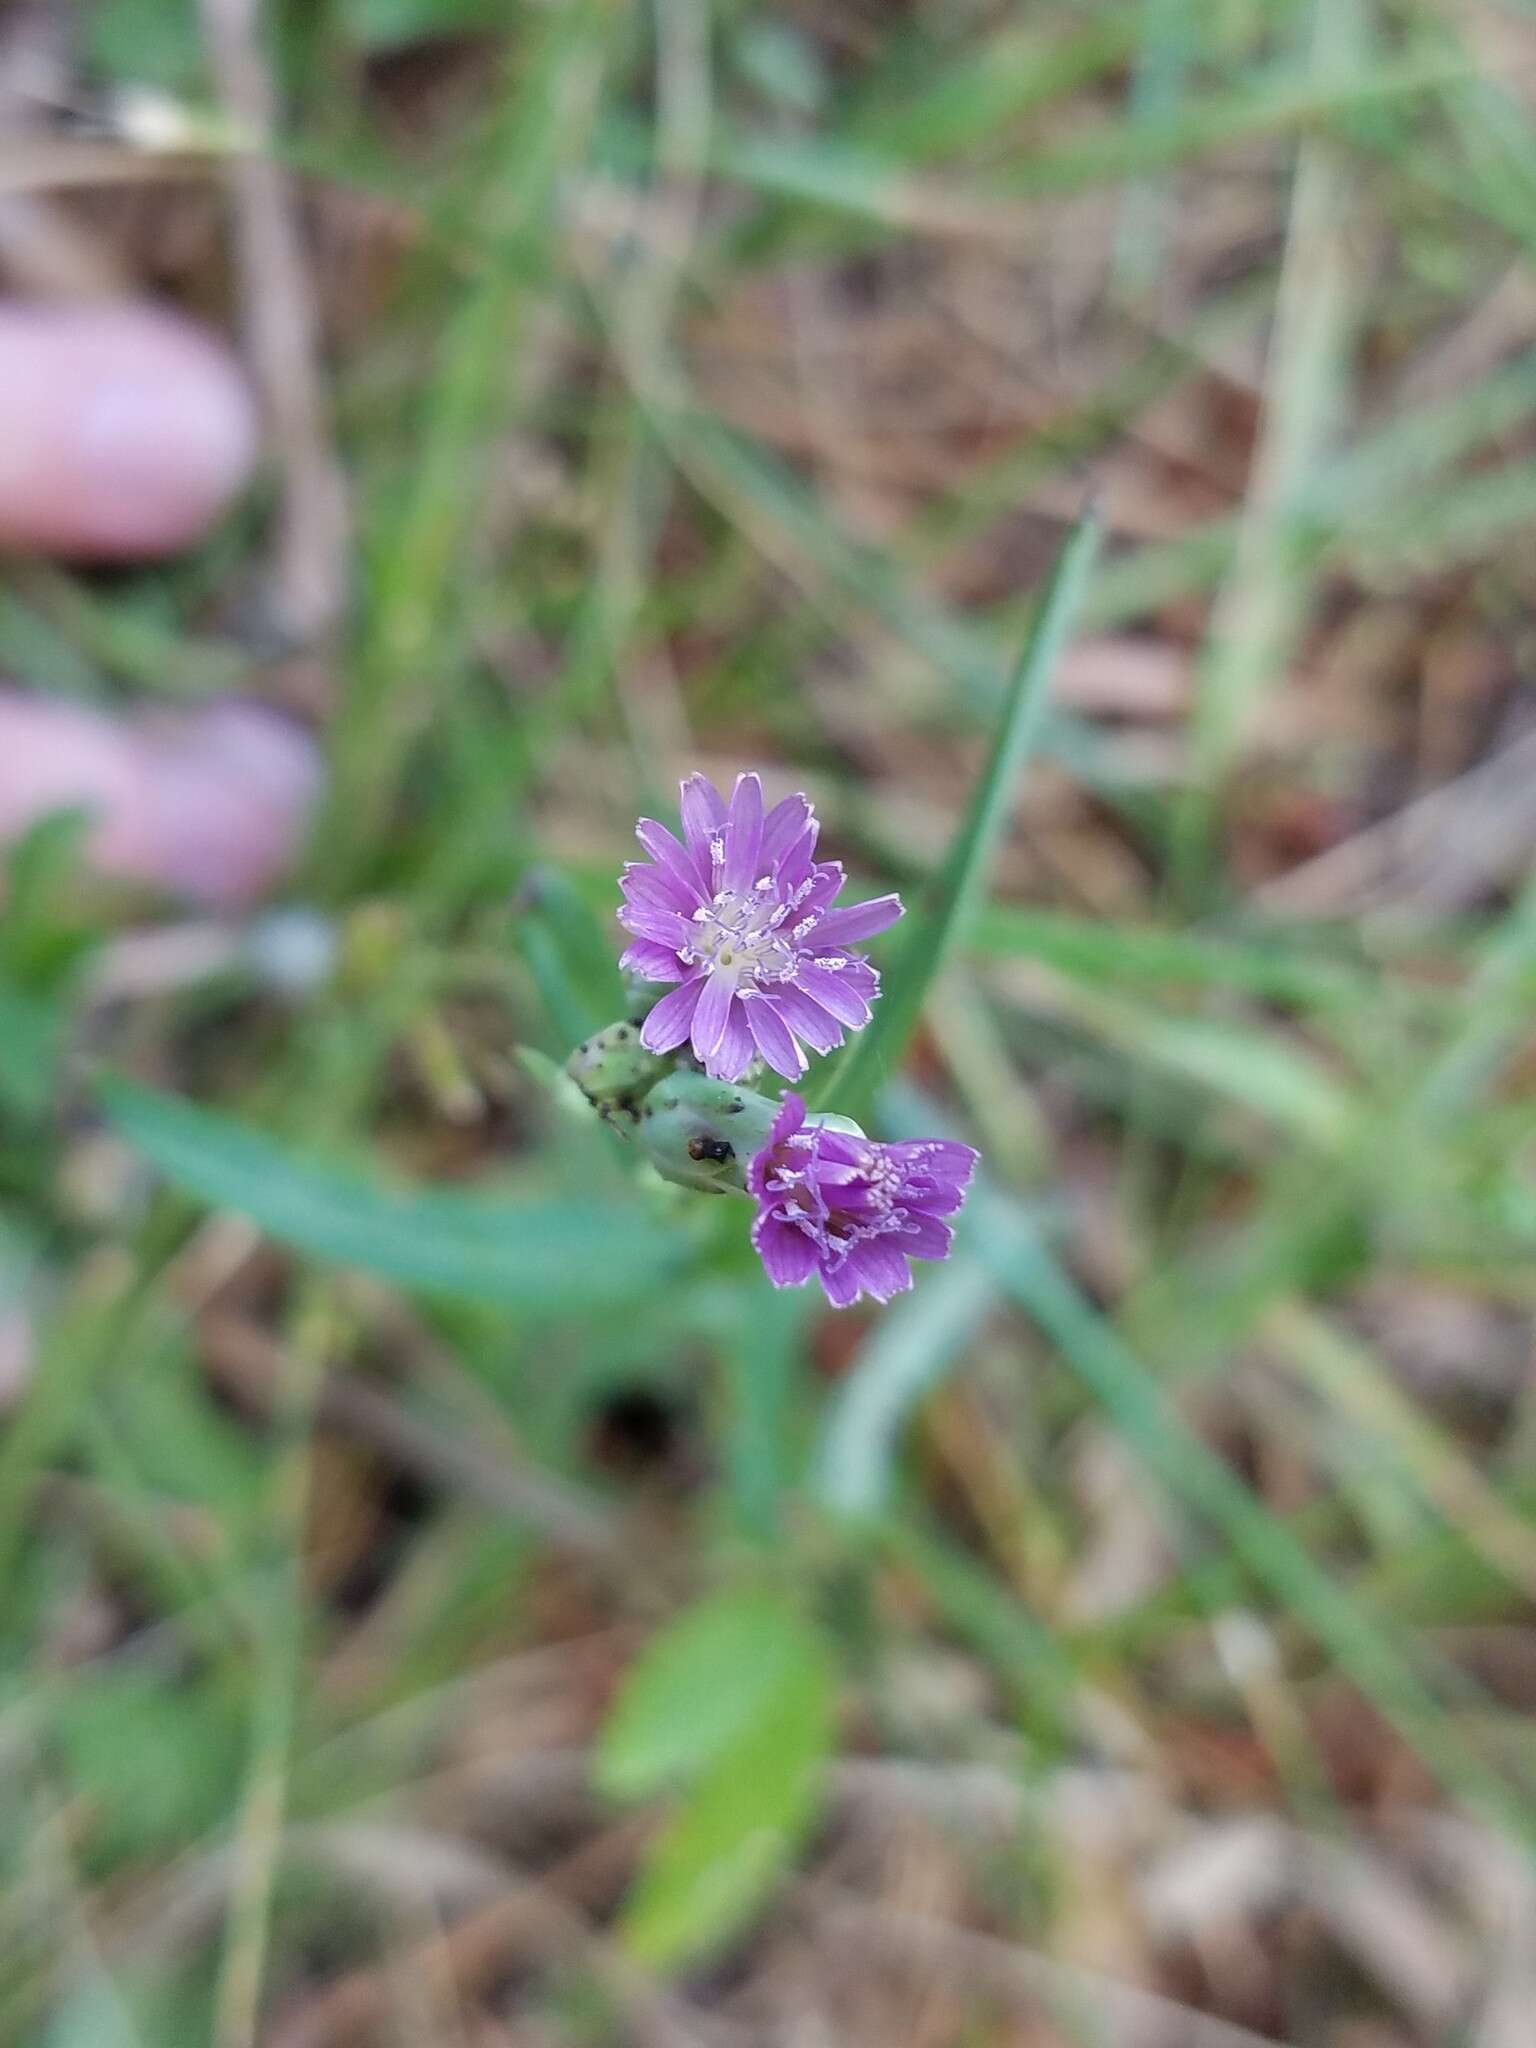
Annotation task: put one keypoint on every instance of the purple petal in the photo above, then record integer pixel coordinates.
(840, 1155)
(642, 883)
(788, 1255)
(711, 1018)
(936, 1172)
(703, 815)
(926, 1238)
(789, 820)
(941, 1155)
(840, 1283)
(772, 1039)
(674, 860)
(856, 973)
(880, 1267)
(736, 1051)
(669, 1023)
(664, 926)
(797, 863)
(858, 921)
(806, 1018)
(790, 1119)
(650, 961)
(827, 986)
(828, 879)
(744, 834)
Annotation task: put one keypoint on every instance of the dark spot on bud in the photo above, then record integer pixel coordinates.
(715, 1149)
(735, 1106)
(621, 1033)
(585, 1045)
(637, 1022)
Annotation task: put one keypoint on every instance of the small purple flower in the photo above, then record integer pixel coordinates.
(850, 1210)
(739, 913)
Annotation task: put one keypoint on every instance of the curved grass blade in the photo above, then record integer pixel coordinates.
(543, 1257)
(963, 878)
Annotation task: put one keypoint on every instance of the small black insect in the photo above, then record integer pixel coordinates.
(716, 1149)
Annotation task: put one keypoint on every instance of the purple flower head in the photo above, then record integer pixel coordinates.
(850, 1210)
(739, 913)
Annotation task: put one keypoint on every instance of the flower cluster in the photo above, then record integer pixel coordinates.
(740, 917)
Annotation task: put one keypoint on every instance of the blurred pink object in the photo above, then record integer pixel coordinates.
(211, 804)
(124, 430)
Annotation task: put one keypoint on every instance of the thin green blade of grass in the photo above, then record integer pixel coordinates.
(95, 1326)
(279, 1677)
(762, 1335)
(1266, 597)
(963, 879)
(1168, 44)
(1110, 952)
(420, 543)
(984, 87)
(1343, 1371)
(867, 184)
(1265, 1074)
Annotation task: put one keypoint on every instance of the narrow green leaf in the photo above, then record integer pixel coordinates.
(32, 1033)
(740, 1825)
(569, 956)
(1106, 951)
(699, 1685)
(963, 878)
(762, 1355)
(1267, 1075)
(543, 1257)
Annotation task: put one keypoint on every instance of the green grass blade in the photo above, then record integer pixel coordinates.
(1265, 601)
(542, 1257)
(1116, 953)
(421, 541)
(963, 878)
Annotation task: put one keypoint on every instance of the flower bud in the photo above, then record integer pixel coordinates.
(614, 1071)
(702, 1133)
